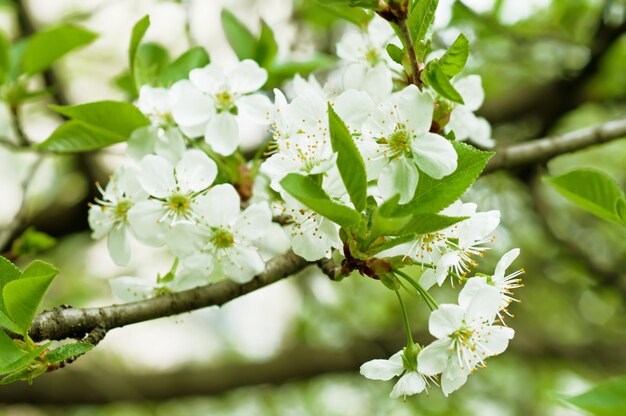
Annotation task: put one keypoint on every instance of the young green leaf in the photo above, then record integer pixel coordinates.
(7, 322)
(433, 195)
(179, 69)
(593, 191)
(428, 223)
(395, 53)
(349, 160)
(421, 19)
(311, 194)
(94, 125)
(23, 361)
(23, 296)
(151, 58)
(9, 352)
(8, 272)
(434, 77)
(139, 30)
(5, 62)
(45, 47)
(68, 351)
(242, 41)
(453, 61)
(267, 48)
(32, 242)
(605, 399)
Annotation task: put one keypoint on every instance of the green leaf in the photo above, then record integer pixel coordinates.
(5, 62)
(434, 77)
(16, 52)
(395, 53)
(151, 58)
(179, 69)
(23, 296)
(428, 223)
(68, 351)
(433, 195)
(267, 48)
(421, 19)
(311, 194)
(349, 161)
(592, 190)
(7, 322)
(453, 61)
(32, 242)
(94, 125)
(9, 352)
(8, 273)
(24, 360)
(139, 30)
(242, 41)
(45, 47)
(605, 399)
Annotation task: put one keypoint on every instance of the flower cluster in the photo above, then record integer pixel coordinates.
(363, 168)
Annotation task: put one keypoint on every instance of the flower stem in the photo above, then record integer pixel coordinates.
(414, 77)
(409, 336)
(430, 301)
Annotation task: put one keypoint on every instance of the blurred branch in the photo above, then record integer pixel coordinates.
(540, 150)
(97, 385)
(551, 101)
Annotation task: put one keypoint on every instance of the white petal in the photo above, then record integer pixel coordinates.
(433, 358)
(144, 219)
(256, 107)
(190, 107)
(170, 145)
(398, 177)
(195, 171)
(273, 242)
(409, 384)
(186, 239)
(478, 227)
(222, 133)
(480, 300)
(209, 79)
(132, 289)
(119, 246)
(354, 107)
(445, 320)
(141, 142)
(156, 176)
(471, 90)
(428, 279)
(504, 263)
(242, 264)
(99, 221)
(434, 155)
(254, 221)
(453, 377)
(247, 77)
(220, 205)
(416, 109)
(496, 338)
(382, 369)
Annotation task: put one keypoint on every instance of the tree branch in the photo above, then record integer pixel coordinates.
(63, 322)
(540, 150)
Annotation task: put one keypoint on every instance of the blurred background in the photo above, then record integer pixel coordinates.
(294, 348)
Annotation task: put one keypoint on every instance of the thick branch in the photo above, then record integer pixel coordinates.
(537, 151)
(61, 323)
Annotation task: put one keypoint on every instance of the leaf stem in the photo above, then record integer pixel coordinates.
(430, 301)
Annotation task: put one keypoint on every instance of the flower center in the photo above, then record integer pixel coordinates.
(399, 143)
(121, 209)
(179, 203)
(223, 238)
(372, 56)
(224, 101)
(462, 335)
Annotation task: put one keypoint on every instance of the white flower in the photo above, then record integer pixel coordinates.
(156, 104)
(224, 234)
(367, 47)
(411, 382)
(376, 81)
(174, 190)
(465, 338)
(217, 100)
(165, 142)
(110, 215)
(465, 124)
(504, 284)
(396, 141)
